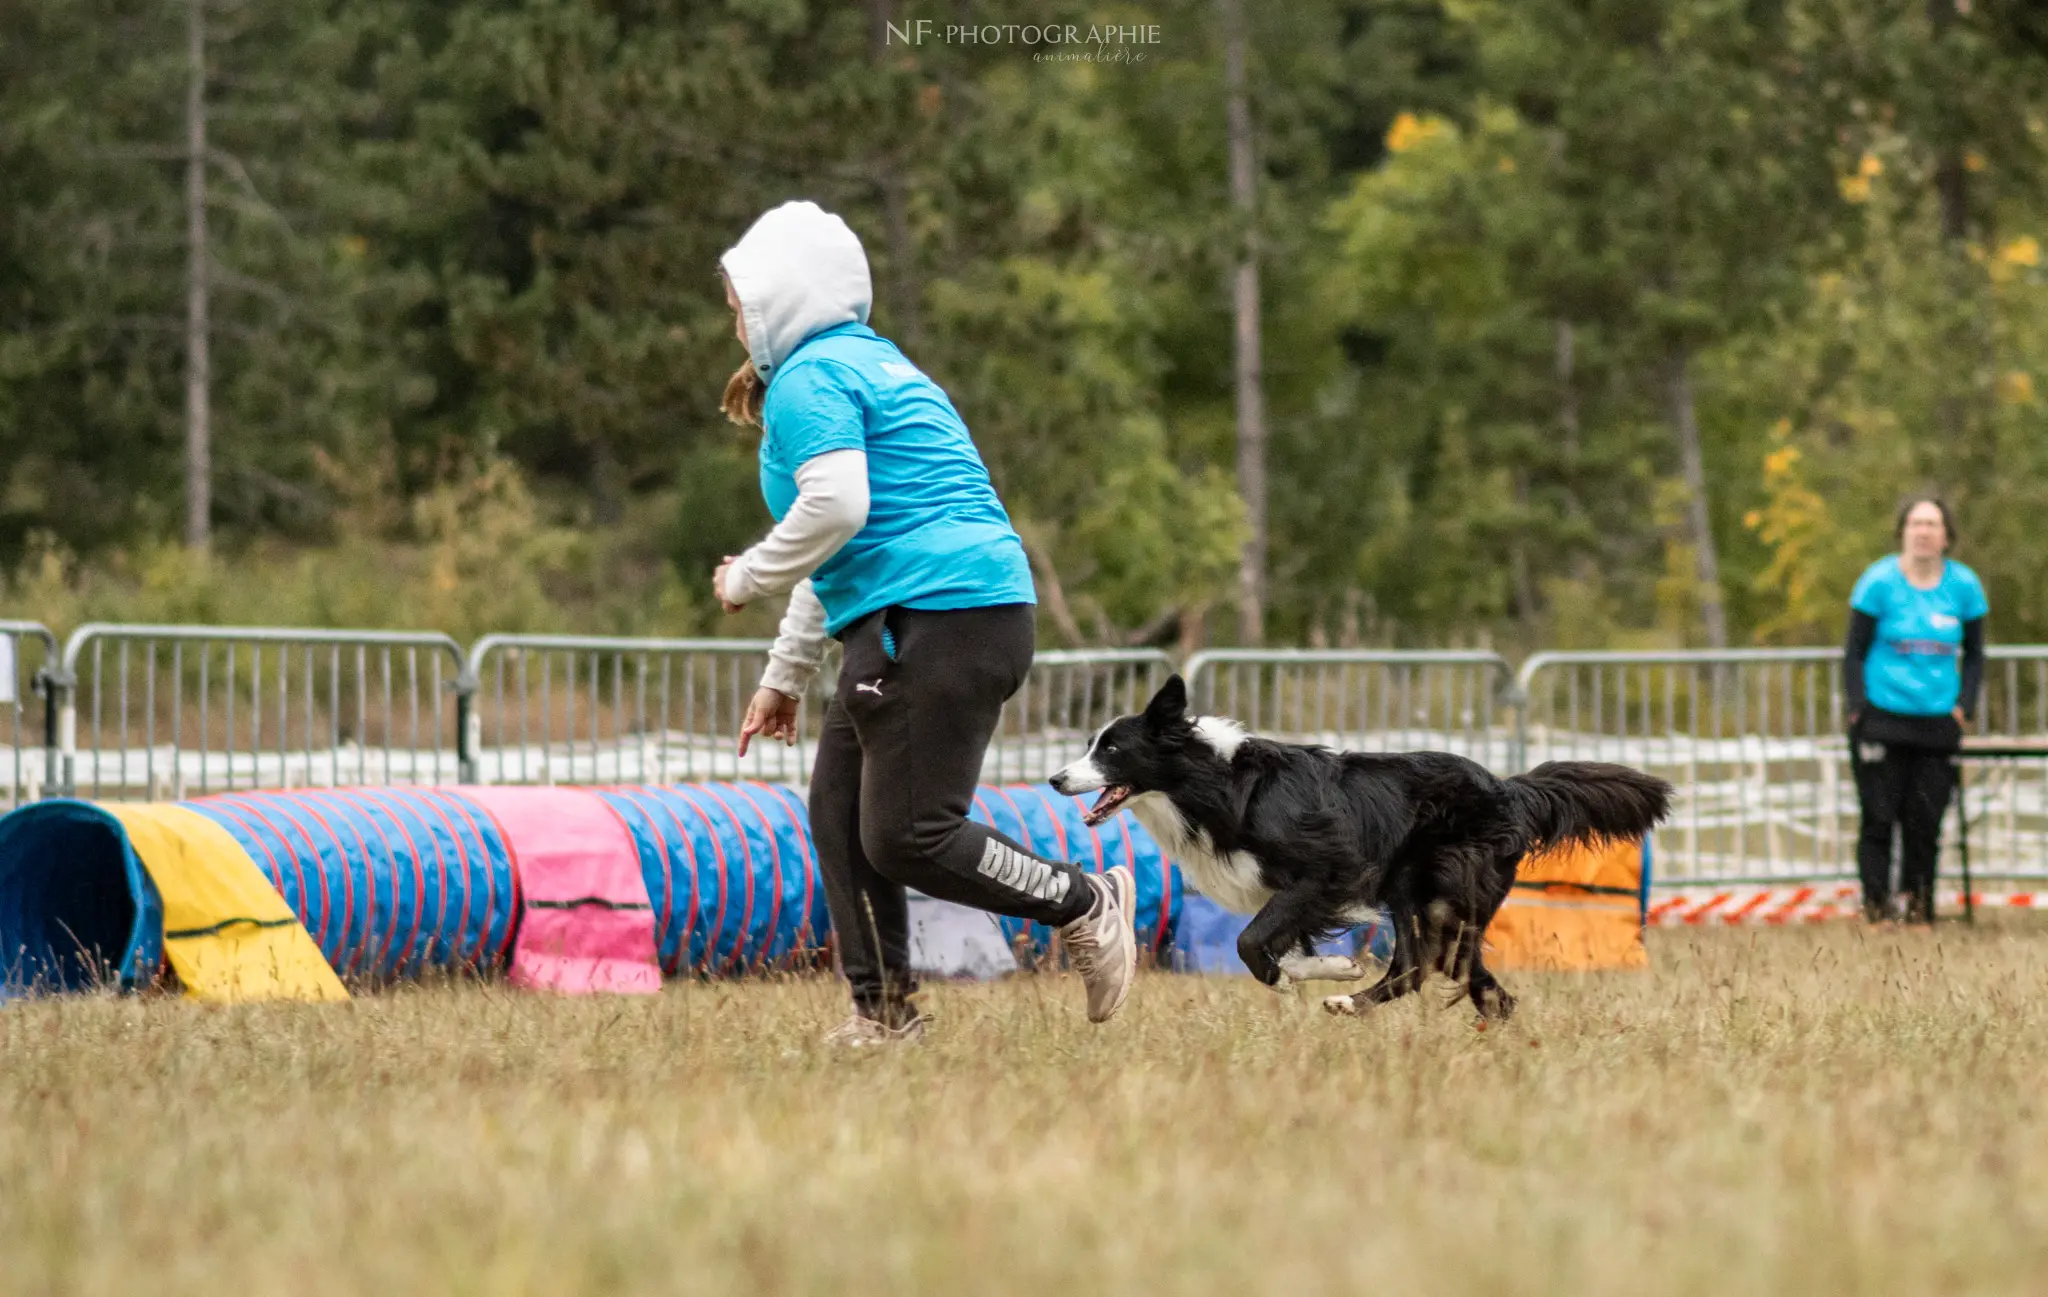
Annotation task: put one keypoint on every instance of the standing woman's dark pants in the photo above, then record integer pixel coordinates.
(1903, 786)
(896, 770)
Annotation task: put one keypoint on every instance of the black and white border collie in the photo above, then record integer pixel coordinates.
(1312, 841)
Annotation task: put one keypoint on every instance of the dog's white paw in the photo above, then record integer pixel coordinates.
(1322, 968)
(1343, 1005)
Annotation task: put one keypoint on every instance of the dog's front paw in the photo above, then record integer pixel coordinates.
(1342, 1005)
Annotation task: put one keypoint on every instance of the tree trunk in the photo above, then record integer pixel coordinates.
(1251, 405)
(1520, 570)
(1567, 394)
(1053, 592)
(1193, 625)
(1347, 625)
(1952, 188)
(198, 363)
(607, 485)
(1952, 198)
(903, 281)
(1685, 425)
(904, 307)
(1951, 177)
(1565, 369)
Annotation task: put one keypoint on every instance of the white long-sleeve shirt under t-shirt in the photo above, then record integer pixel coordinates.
(830, 509)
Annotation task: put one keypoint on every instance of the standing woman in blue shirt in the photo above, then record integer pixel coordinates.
(889, 537)
(1913, 665)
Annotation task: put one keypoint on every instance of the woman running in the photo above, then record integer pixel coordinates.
(889, 537)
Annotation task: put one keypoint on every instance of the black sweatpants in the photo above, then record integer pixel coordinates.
(1906, 787)
(896, 770)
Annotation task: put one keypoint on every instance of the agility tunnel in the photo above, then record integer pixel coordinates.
(289, 894)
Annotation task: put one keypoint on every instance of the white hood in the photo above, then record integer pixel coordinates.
(797, 270)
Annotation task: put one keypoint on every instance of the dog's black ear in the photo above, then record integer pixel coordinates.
(1170, 705)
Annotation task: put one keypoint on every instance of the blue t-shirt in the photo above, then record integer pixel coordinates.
(936, 535)
(1914, 667)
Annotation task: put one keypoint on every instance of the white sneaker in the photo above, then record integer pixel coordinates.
(1102, 945)
(858, 1032)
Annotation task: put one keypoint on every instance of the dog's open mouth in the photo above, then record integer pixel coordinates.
(1113, 797)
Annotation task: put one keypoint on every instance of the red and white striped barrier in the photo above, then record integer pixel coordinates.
(1800, 904)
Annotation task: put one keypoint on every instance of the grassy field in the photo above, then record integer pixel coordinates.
(1811, 1112)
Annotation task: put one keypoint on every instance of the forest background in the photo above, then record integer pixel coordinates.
(1546, 323)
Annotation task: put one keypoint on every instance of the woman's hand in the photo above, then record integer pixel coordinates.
(772, 713)
(718, 590)
(1961, 719)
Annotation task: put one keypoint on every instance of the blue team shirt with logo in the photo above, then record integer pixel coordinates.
(1914, 667)
(936, 535)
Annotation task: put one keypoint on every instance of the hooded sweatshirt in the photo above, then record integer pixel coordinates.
(931, 534)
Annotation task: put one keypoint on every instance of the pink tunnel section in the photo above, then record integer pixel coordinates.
(585, 924)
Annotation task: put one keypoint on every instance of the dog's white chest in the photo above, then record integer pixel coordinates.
(1229, 879)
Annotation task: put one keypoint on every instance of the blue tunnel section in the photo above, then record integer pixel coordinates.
(77, 910)
(730, 872)
(390, 882)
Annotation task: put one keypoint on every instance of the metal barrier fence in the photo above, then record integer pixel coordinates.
(1756, 742)
(174, 711)
(567, 709)
(574, 709)
(1364, 699)
(1753, 738)
(29, 670)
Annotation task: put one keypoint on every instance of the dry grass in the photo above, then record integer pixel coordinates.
(1776, 1111)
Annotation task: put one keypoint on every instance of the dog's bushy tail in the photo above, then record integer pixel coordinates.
(1586, 802)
